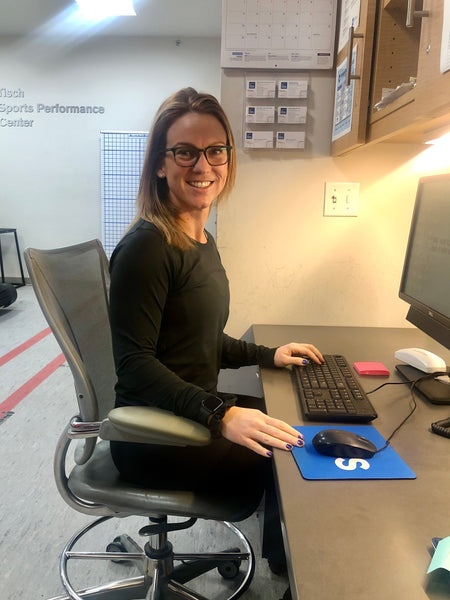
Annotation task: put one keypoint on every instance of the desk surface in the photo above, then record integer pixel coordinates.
(365, 539)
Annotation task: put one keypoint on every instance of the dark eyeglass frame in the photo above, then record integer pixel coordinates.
(200, 151)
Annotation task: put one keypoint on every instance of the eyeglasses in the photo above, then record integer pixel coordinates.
(188, 156)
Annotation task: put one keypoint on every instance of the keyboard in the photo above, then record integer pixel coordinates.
(331, 392)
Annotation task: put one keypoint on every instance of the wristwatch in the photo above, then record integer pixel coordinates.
(212, 412)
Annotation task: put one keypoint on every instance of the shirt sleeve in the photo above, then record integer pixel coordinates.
(237, 353)
(141, 273)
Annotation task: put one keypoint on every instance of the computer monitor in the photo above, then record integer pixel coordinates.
(425, 282)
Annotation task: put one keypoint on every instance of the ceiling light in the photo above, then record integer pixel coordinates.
(100, 9)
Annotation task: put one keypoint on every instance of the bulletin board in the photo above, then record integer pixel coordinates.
(122, 157)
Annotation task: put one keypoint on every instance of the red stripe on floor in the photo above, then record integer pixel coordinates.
(31, 384)
(13, 353)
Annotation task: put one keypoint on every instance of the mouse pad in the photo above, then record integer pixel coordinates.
(384, 465)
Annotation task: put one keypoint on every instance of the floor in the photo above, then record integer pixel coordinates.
(36, 401)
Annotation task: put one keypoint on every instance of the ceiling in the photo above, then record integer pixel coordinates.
(178, 18)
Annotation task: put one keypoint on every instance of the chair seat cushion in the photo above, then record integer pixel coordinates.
(99, 481)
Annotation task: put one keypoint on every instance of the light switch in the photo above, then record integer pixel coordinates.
(341, 199)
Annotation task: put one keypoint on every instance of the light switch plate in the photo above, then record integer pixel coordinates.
(341, 199)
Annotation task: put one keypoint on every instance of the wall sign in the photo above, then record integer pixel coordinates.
(17, 112)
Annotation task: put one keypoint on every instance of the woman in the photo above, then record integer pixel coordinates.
(169, 306)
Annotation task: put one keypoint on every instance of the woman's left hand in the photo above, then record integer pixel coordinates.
(254, 429)
(296, 353)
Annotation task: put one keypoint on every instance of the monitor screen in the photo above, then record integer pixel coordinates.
(425, 282)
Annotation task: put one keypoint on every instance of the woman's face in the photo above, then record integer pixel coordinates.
(193, 189)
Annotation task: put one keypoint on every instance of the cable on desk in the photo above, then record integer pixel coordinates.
(413, 401)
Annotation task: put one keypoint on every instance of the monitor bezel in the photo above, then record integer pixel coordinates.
(430, 321)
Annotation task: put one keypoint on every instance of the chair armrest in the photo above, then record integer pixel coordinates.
(149, 425)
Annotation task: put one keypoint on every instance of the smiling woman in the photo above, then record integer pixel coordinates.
(169, 304)
(197, 121)
(194, 181)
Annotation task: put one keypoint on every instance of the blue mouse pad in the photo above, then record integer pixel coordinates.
(384, 465)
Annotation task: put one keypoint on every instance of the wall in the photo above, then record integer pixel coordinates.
(50, 171)
(287, 263)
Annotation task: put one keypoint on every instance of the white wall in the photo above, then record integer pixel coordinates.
(287, 264)
(50, 172)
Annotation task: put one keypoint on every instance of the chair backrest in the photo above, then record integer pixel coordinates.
(72, 286)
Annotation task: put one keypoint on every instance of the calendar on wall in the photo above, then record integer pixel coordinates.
(278, 34)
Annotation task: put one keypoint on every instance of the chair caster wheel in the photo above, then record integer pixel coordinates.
(229, 569)
(116, 546)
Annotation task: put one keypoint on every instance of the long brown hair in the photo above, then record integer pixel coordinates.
(153, 198)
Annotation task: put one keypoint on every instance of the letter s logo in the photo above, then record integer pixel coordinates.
(353, 463)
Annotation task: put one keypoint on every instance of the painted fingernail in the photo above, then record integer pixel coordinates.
(300, 443)
(269, 454)
(288, 446)
(305, 362)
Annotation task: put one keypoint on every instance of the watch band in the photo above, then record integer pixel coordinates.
(215, 425)
(212, 411)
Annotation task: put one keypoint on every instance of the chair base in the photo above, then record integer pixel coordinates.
(125, 589)
(159, 579)
(136, 589)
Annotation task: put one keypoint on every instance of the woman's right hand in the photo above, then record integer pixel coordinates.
(254, 429)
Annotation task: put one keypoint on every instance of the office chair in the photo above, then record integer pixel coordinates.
(72, 285)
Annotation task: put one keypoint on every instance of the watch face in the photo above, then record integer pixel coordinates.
(212, 403)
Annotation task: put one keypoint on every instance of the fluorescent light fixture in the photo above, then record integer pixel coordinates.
(99, 9)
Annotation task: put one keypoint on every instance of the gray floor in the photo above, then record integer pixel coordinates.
(35, 522)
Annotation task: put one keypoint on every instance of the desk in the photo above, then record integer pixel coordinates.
(366, 539)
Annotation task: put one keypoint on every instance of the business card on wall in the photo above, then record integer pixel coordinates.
(260, 114)
(290, 139)
(292, 114)
(258, 139)
(297, 88)
(259, 88)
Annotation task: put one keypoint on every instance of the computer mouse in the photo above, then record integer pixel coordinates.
(343, 444)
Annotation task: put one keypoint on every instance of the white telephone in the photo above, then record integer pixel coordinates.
(424, 360)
